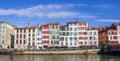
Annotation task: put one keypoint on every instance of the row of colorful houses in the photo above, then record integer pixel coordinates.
(53, 34)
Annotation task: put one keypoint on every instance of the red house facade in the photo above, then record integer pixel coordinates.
(45, 35)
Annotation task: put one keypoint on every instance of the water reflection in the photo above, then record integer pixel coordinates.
(58, 58)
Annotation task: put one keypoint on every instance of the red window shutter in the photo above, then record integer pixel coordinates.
(81, 42)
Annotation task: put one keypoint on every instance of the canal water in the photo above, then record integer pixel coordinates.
(58, 58)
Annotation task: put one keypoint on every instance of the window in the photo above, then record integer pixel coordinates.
(24, 35)
(20, 41)
(80, 33)
(62, 38)
(94, 38)
(110, 33)
(56, 27)
(66, 28)
(80, 37)
(71, 38)
(61, 43)
(24, 42)
(70, 28)
(17, 30)
(115, 37)
(16, 41)
(29, 39)
(94, 33)
(33, 39)
(75, 29)
(90, 33)
(29, 30)
(20, 30)
(95, 42)
(17, 35)
(70, 43)
(81, 42)
(66, 38)
(20, 35)
(75, 38)
(85, 38)
(75, 34)
(33, 30)
(33, 43)
(90, 42)
(29, 35)
(37, 38)
(38, 34)
(55, 31)
(33, 35)
(51, 42)
(85, 33)
(57, 42)
(38, 43)
(111, 37)
(75, 43)
(90, 38)
(24, 30)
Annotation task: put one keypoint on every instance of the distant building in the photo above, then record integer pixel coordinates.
(82, 33)
(73, 34)
(45, 35)
(93, 37)
(112, 37)
(109, 35)
(39, 38)
(103, 36)
(6, 35)
(63, 36)
(54, 34)
(25, 37)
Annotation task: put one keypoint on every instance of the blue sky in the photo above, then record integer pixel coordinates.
(95, 12)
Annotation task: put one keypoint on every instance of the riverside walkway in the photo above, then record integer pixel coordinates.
(71, 52)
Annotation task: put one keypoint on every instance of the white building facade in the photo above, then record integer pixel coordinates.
(25, 38)
(113, 37)
(92, 37)
(6, 33)
(39, 38)
(73, 35)
(64, 36)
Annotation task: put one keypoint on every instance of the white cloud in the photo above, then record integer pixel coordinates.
(82, 5)
(105, 6)
(107, 20)
(47, 11)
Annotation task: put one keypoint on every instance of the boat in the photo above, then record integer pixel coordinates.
(110, 50)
